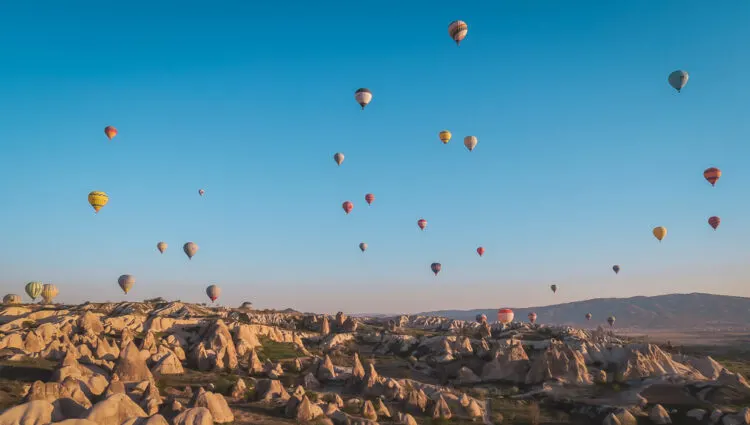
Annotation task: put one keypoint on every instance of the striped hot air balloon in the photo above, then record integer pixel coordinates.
(126, 282)
(49, 292)
(457, 30)
(712, 174)
(714, 222)
(97, 200)
(422, 223)
(532, 317)
(110, 131)
(611, 321)
(505, 316)
(481, 318)
(436, 267)
(369, 198)
(363, 97)
(34, 289)
(445, 136)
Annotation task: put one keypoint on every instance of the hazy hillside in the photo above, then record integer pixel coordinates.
(674, 311)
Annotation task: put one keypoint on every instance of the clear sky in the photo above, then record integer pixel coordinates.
(583, 149)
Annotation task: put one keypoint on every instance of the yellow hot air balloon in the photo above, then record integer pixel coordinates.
(49, 291)
(161, 246)
(660, 232)
(98, 200)
(445, 136)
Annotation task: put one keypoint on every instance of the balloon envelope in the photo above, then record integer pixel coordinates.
(678, 79)
(553, 288)
(162, 246)
(436, 267)
(363, 246)
(457, 30)
(126, 282)
(49, 292)
(611, 320)
(588, 316)
(480, 251)
(34, 289)
(712, 174)
(369, 198)
(445, 136)
(347, 206)
(363, 97)
(714, 222)
(201, 192)
(213, 292)
(338, 157)
(505, 316)
(660, 232)
(616, 268)
(12, 299)
(110, 131)
(481, 318)
(422, 223)
(190, 249)
(97, 200)
(532, 317)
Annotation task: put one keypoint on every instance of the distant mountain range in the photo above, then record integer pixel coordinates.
(673, 311)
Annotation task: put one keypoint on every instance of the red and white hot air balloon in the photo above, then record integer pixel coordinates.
(422, 223)
(201, 192)
(480, 251)
(505, 316)
(347, 206)
(714, 222)
(369, 198)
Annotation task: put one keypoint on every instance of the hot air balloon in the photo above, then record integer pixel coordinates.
(678, 79)
(457, 30)
(161, 246)
(201, 192)
(34, 289)
(190, 248)
(532, 317)
(213, 292)
(110, 131)
(97, 200)
(611, 321)
(714, 222)
(49, 292)
(339, 158)
(12, 299)
(712, 175)
(363, 246)
(347, 206)
(616, 268)
(553, 288)
(126, 282)
(436, 267)
(505, 316)
(422, 223)
(363, 97)
(588, 316)
(481, 318)
(445, 136)
(470, 142)
(660, 232)
(369, 198)
(480, 251)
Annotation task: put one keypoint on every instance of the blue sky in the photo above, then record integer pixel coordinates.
(583, 149)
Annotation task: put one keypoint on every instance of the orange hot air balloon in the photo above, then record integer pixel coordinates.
(369, 198)
(422, 223)
(505, 316)
(714, 222)
(347, 206)
(110, 131)
(480, 251)
(712, 175)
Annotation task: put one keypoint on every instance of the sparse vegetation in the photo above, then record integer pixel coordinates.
(276, 351)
